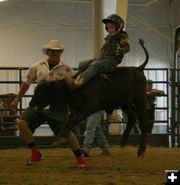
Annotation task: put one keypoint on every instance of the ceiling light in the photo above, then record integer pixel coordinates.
(2, 0)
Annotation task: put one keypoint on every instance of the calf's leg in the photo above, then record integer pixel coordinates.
(142, 126)
(131, 115)
(71, 123)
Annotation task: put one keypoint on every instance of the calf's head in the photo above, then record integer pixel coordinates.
(49, 93)
(42, 95)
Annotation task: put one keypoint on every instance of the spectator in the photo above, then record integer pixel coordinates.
(94, 130)
(150, 106)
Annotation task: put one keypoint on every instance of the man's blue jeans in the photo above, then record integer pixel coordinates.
(94, 130)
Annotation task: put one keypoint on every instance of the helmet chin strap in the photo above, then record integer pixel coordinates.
(120, 28)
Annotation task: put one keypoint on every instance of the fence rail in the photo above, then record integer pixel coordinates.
(160, 80)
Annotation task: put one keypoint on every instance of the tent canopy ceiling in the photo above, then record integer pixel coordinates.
(27, 25)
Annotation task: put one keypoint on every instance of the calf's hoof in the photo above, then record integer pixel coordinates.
(85, 152)
(141, 152)
(59, 142)
(123, 142)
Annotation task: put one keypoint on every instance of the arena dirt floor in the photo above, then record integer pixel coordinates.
(59, 167)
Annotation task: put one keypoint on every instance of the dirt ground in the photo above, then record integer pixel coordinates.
(59, 167)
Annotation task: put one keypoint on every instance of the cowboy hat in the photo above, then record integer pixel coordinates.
(54, 45)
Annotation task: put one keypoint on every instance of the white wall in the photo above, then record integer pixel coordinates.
(27, 25)
(108, 7)
(154, 22)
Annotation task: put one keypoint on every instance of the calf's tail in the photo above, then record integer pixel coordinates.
(142, 66)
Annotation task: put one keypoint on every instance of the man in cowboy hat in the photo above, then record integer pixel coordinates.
(50, 69)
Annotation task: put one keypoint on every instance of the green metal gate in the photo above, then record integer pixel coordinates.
(174, 131)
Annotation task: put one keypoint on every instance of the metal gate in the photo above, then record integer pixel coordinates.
(171, 120)
(174, 131)
(152, 73)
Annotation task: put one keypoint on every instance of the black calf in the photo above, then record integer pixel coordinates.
(126, 86)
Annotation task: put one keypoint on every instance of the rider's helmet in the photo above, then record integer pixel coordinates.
(116, 19)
